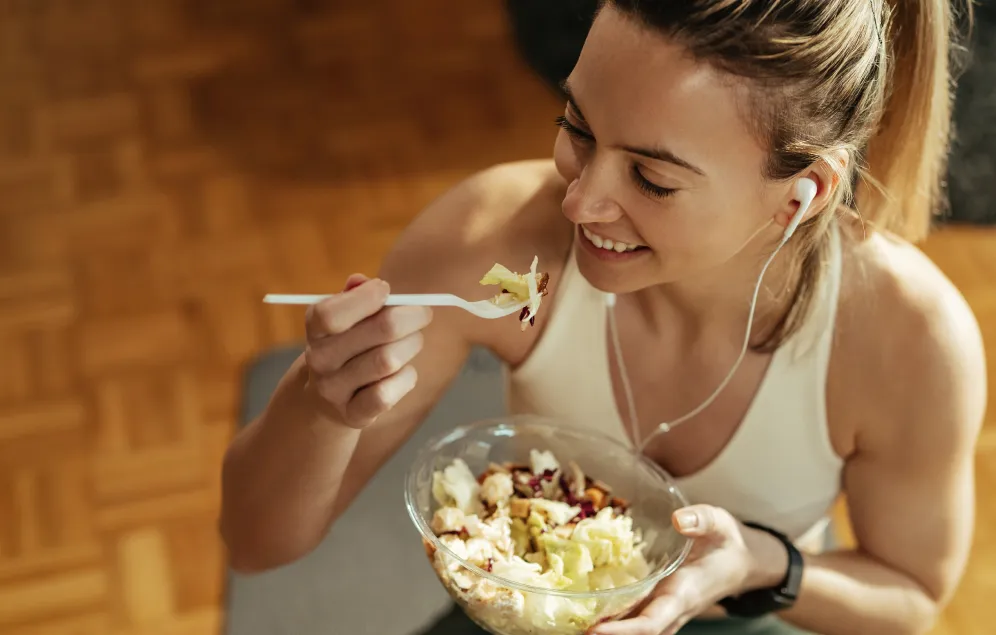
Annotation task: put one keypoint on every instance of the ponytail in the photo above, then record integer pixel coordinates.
(907, 157)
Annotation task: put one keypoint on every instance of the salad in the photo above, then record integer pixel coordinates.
(517, 289)
(541, 525)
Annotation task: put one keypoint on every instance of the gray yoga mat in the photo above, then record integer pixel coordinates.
(370, 574)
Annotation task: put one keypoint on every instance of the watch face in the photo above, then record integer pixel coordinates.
(793, 577)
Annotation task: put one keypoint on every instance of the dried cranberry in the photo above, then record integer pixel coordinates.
(548, 475)
(491, 563)
(587, 510)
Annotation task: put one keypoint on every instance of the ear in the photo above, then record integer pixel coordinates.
(827, 181)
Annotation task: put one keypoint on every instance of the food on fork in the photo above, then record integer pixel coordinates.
(542, 525)
(517, 288)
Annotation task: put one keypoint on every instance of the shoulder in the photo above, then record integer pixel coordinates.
(909, 368)
(508, 213)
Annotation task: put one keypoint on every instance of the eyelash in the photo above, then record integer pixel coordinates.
(650, 189)
(576, 133)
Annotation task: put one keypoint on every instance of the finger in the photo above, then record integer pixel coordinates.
(376, 399)
(657, 617)
(696, 520)
(354, 280)
(639, 625)
(329, 354)
(377, 363)
(340, 312)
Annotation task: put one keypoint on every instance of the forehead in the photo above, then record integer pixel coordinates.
(636, 87)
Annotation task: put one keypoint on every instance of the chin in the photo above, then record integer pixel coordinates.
(609, 278)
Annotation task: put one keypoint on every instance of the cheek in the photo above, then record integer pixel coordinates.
(667, 230)
(701, 233)
(686, 231)
(565, 157)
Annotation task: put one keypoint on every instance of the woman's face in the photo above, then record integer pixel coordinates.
(658, 155)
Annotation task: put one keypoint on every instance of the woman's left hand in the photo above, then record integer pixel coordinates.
(727, 558)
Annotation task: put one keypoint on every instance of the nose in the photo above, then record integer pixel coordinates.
(588, 200)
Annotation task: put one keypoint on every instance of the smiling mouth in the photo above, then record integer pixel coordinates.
(608, 244)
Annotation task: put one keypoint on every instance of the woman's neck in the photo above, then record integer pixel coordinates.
(718, 300)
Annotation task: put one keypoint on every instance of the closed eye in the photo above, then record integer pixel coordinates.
(581, 136)
(575, 133)
(648, 187)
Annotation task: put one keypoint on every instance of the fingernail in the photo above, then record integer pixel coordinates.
(688, 520)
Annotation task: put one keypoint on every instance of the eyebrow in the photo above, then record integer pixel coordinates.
(658, 154)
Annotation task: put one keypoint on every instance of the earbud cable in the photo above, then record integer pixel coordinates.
(666, 426)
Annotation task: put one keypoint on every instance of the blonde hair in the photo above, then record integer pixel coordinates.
(870, 78)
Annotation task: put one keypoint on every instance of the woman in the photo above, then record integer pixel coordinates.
(688, 128)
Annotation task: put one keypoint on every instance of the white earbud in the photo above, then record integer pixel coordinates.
(805, 189)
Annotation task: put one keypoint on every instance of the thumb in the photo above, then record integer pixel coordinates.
(700, 520)
(354, 281)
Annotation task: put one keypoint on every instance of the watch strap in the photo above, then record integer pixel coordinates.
(759, 602)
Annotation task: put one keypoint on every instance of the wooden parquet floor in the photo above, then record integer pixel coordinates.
(163, 163)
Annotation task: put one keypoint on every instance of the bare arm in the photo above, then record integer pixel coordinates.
(290, 473)
(910, 488)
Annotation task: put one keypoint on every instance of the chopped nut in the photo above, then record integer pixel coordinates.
(542, 282)
(602, 486)
(596, 496)
(621, 503)
(518, 508)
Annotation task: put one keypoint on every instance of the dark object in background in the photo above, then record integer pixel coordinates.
(972, 173)
(551, 33)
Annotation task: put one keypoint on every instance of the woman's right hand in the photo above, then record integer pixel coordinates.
(359, 352)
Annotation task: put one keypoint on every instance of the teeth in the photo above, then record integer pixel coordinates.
(607, 243)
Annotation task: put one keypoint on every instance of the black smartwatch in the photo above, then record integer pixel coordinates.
(760, 602)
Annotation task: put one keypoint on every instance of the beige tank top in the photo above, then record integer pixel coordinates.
(778, 469)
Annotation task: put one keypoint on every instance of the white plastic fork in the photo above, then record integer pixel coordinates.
(482, 308)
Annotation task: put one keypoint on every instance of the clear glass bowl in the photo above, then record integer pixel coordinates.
(507, 607)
